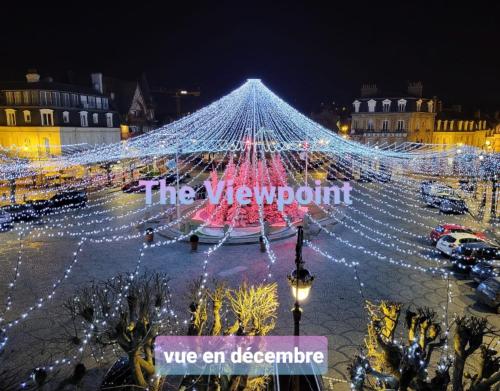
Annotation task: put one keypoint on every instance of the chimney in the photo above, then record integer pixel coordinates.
(368, 90)
(32, 76)
(97, 82)
(415, 89)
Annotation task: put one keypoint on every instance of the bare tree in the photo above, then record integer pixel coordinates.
(127, 311)
(404, 365)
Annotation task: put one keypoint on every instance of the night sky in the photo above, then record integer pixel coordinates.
(305, 52)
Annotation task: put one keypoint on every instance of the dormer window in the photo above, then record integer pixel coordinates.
(402, 105)
(430, 106)
(47, 117)
(66, 117)
(27, 116)
(419, 104)
(95, 118)
(11, 117)
(356, 105)
(386, 105)
(371, 105)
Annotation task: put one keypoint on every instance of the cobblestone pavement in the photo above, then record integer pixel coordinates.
(335, 307)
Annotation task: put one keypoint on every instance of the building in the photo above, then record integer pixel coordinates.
(333, 117)
(41, 117)
(379, 118)
(132, 99)
(453, 127)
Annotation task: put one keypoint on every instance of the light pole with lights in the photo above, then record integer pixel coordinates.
(300, 281)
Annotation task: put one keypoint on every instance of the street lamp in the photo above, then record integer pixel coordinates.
(300, 281)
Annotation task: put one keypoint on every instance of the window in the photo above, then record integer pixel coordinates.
(83, 118)
(92, 102)
(46, 143)
(11, 117)
(105, 103)
(430, 106)
(10, 97)
(400, 124)
(84, 101)
(35, 95)
(354, 124)
(386, 105)
(27, 116)
(56, 98)
(95, 118)
(75, 102)
(109, 120)
(385, 125)
(65, 99)
(356, 105)
(402, 105)
(26, 97)
(47, 117)
(370, 124)
(371, 105)
(419, 104)
(98, 103)
(66, 117)
(17, 97)
(44, 98)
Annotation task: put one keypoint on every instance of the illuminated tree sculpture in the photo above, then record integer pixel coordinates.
(264, 174)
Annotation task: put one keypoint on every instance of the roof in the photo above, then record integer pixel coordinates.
(462, 235)
(124, 92)
(49, 86)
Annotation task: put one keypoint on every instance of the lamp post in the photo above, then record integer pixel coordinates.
(300, 281)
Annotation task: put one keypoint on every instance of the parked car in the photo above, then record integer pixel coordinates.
(436, 195)
(41, 207)
(468, 254)
(483, 270)
(74, 198)
(446, 229)
(452, 204)
(488, 292)
(432, 187)
(131, 187)
(20, 212)
(5, 220)
(449, 242)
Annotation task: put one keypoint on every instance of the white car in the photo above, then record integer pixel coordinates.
(5, 220)
(448, 243)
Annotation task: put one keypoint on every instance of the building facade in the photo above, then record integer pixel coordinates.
(393, 118)
(133, 101)
(454, 128)
(40, 118)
